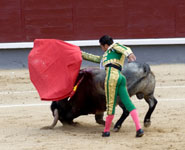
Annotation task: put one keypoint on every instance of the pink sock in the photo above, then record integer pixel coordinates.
(108, 122)
(135, 118)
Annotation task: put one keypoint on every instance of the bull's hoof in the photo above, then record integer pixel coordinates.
(69, 123)
(147, 123)
(117, 128)
(47, 128)
(73, 123)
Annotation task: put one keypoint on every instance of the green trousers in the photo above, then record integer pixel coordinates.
(115, 84)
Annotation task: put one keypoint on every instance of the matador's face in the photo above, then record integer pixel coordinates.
(104, 47)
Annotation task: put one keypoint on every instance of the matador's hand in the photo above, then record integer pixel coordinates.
(131, 57)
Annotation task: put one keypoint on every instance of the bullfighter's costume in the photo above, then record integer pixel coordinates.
(115, 82)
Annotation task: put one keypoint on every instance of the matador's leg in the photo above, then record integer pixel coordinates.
(111, 95)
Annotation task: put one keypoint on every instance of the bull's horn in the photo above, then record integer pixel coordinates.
(56, 116)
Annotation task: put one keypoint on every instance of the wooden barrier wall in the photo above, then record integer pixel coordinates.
(25, 20)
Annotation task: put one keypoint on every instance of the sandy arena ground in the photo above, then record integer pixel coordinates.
(22, 114)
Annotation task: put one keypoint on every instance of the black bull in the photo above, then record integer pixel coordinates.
(90, 96)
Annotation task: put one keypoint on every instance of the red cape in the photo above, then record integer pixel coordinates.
(53, 67)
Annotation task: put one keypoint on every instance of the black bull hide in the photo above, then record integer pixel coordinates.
(90, 96)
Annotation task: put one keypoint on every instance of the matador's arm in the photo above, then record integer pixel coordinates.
(122, 49)
(91, 57)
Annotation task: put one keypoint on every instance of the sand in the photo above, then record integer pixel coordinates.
(23, 114)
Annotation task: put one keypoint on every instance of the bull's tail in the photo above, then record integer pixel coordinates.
(146, 69)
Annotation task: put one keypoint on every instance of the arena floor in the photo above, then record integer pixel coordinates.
(22, 115)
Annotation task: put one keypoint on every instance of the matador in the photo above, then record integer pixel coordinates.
(115, 82)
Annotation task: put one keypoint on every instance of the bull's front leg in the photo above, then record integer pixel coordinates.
(99, 118)
(152, 102)
(70, 116)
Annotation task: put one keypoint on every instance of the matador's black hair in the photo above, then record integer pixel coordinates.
(106, 39)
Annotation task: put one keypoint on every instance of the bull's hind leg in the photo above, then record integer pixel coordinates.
(122, 118)
(152, 102)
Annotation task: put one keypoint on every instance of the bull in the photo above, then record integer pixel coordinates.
(90, 95)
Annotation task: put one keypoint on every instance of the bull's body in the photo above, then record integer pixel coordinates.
(90, 96)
